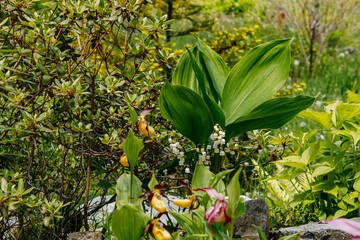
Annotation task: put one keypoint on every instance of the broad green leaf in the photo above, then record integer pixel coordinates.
(321, 170)
(321, 118)
(132, 147)
(233, 192)
(309, 155)
(346, 111)
(255, 78)
(340, 213)
(270, 114)
(354, 136)
(187, 111)
(240, 208)
(292, 161)
(217, 181)
(262, 235)
(133, 115)
(153, 182)
(123, 190)
(353, 97)
(356, 185)
(215, 109)
(202, 177)
(214, 66)
(128, 222)
(184, 74)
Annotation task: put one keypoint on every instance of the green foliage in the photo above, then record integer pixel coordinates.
(68, 70)
(325, 175)
(250, 83)
(128, 222)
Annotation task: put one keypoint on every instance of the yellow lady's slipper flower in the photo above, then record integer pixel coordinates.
(124, 161)
(159, 232)
(144, 128)
(184, 203)
(158, 203)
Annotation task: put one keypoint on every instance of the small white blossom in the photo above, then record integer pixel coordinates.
(296, 62)
(222, 153)
(302, 124)
(187, 170)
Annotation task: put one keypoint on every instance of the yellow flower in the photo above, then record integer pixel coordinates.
(159, 232)
(144, 128)
(158, 203)
(184, 203)
(124, 161)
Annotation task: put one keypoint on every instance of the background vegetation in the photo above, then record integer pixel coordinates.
(69, 70)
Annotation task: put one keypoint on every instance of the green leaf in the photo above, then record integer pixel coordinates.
(233, 192)
(132, 147)
(309, 155)
(42, 69)
(133, 115)
(291, 237)
(356, 185)
(215, 109)
(270, 114)
(184, 74)
(340, 213)
(292, 161)
(187, 111)
(192, 223)
(128, 222)
(214, 66)
(321, 170)
(262, 235)
(346, 111)
(104, 184)
(255, 78)
(202, 177)
(153, 182)
(321, 118)
(123, 190)
(240, 208)
(353, 97)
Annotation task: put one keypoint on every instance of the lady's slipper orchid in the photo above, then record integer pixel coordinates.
(157, 202)
(154, 198)
(346, 225)
(124, 160)
(143, 126)
(159, 232)
(216, 213)
(185, 203)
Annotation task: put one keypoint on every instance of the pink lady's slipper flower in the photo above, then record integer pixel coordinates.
(346, 225)
(216, 213)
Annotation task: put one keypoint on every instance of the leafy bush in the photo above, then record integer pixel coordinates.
(68, 70)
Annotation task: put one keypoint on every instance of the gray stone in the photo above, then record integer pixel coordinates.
(85, 236)
(313, 231)
(257, 213)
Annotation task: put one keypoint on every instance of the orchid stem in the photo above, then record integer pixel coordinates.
(131, 184)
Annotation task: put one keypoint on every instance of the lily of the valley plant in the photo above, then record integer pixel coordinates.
(204, 92)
